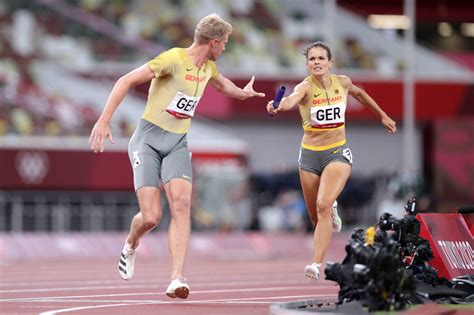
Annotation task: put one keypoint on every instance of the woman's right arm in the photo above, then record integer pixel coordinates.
(291, 100)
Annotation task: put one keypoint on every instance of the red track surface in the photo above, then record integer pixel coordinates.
(218, 285)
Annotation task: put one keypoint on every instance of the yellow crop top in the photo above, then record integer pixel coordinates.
(324, 109)
(176, 89)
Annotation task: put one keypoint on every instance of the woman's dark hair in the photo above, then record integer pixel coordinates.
(317, 44)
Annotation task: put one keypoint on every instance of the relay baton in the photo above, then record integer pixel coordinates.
(278, 96)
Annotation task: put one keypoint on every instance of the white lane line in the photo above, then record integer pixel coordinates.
(165, 283)
(4, 287)
(248, 300)
(269, 299)
(218, 301)
(87, 288)
(94, 301)
(23, 276)
(156, 293)
(65, 310)
(137, 302)
(7, 285)
(225, 301)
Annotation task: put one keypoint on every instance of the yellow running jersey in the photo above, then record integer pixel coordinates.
(176, 89)
(324, 109)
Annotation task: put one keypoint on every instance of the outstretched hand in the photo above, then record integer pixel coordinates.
(248, 89)
(389, 123)
(100, 131)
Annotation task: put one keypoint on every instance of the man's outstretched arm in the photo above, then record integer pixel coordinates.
(227, 87)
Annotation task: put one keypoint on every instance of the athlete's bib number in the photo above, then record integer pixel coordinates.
(328, 116)
(182, 106)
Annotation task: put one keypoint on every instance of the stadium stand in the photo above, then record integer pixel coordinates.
(50, 49)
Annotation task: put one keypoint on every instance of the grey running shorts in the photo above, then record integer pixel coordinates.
(316, 161)
(157, 156)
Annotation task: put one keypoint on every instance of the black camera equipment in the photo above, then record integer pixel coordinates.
(372, 273)
(388, 268)
(415, 251)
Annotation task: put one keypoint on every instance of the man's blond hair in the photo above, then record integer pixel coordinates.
(211, 27)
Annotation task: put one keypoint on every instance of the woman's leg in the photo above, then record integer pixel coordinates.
(332, 182)
(310, 184)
